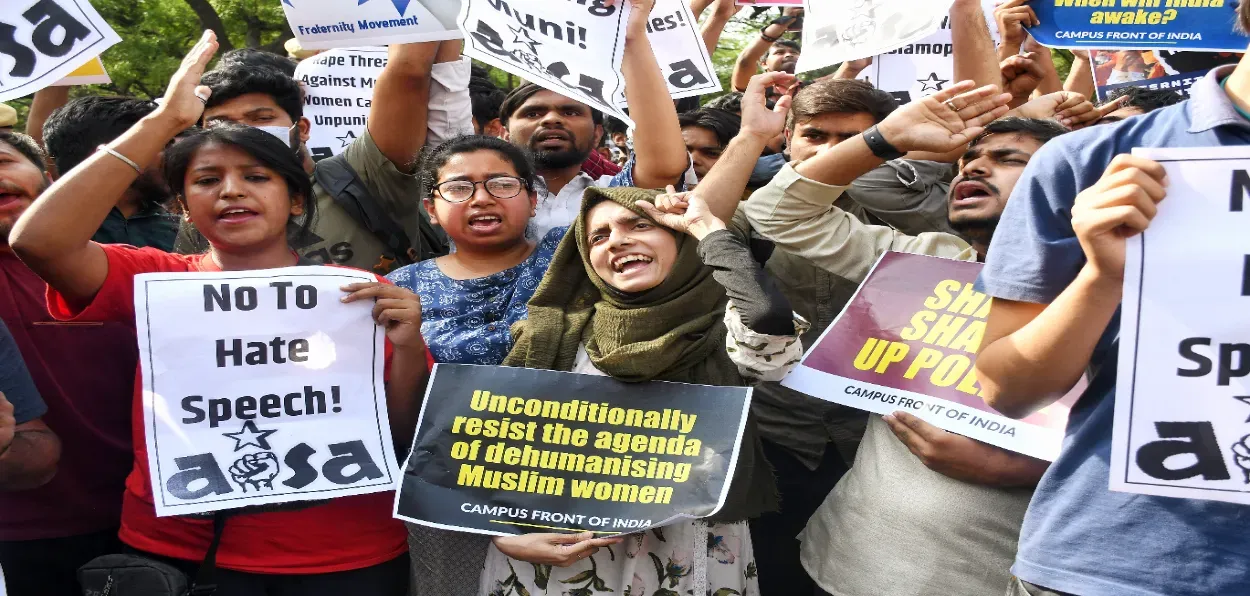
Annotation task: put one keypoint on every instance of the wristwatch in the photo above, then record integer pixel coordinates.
(879, 146)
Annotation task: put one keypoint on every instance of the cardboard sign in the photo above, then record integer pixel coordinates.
(907, 341)
(43, 41)
(514, 450)
(680, 51)
(920, 69)
(769, 2)
(325, 24)
(338, 93)
(1201, 25)
(261, 387)
(1182, 403)
(1160, 69)
(835, 31)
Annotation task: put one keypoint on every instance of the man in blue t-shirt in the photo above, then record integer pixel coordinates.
(1056, 271)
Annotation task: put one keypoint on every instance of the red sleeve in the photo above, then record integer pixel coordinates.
(116, 299)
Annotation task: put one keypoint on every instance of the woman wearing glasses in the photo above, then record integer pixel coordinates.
(482, 194)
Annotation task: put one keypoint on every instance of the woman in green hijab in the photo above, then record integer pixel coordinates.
(641, 294)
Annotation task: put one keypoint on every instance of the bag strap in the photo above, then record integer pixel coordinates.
(205, 583)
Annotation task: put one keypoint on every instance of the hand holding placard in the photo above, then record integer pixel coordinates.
(1117, 207)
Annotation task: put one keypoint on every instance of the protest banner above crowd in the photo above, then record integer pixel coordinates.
(835, 31)
(260, 387)
(1158, 69)
(325, 24)
(922, 68)
(576, 50)
(569, 452)
(907, 342)
(1183, 394)
(338, 93)
(1201, 25)
(46, 40)
(91, 73)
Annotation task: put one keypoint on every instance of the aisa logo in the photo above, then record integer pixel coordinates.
(400, 5)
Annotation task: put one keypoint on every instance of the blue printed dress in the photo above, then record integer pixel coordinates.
(467, 321)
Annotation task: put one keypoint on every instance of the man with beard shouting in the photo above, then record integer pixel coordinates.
(561, 132)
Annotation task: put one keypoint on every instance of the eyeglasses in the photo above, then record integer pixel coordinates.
(502, 187)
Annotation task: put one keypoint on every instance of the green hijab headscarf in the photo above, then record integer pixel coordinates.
(672, 332)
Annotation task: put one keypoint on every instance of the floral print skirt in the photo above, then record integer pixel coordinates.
(659, 562)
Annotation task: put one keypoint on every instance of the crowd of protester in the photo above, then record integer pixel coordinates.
(520, 227)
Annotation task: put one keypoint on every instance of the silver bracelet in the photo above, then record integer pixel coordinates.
(127, 160)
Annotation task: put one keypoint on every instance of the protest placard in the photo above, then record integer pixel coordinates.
(325, 24)
(1159, 69)
(571, 47)
(920, 69)
(835, 31)
(907, 342)
(91, 73)
(260, 387)
(680, 51)
(338, 93)
(43, 41)
(1182, 401)
(514, 450)
(1204, 25)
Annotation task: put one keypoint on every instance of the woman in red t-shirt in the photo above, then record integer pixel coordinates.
(246, 192)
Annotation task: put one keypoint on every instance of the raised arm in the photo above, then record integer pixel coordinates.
(53, 237)
(1081, 75)
(726, 182)
(1050, 82)
(658, 146)
(398, 115)
(973, 47)
(47, 100)
(1012, 18)
(714, 25)
(748, 61)
(1033, 354)
(936, 124)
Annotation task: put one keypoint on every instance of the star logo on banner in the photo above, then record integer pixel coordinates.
(522, 32)
(250, 435)
(1245, 399)
(347, 138)
(932, 83)
(400, 5)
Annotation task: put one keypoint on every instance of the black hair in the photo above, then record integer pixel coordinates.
(729, 102)
(612, 126)
(72, 133)
(255, 57)
(26, 146)
(233, 80)
(1144, 99)
(1041, 130)
(785, 43)
(723, 124)
(840, 96)
(436, 159)
(486, 98)
(271, 152)
(521, 94)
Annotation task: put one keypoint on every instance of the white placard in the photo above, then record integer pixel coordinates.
(1182, 409)
(571, 48)
(922, 68)
(338, 93)
(43, 41)
(835, 31)
(261, 387)
(679, 49)
(325, 24)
